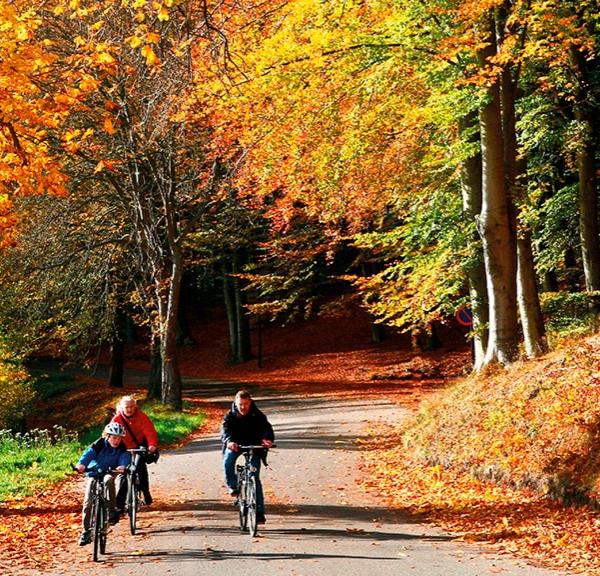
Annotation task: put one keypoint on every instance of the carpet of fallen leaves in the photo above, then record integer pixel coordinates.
(513, 521)
(37, 531)
(336, 357)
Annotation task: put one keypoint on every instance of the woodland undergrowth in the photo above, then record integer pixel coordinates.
(536, 425)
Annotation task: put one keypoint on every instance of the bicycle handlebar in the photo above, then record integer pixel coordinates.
(140, 450)
(256, 447)
(95, 470)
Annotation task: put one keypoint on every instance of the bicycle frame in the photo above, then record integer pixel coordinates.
(247, 489)
(99, 518)
(133, 501)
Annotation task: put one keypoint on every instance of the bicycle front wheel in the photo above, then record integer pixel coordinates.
(98, 528)
(242, 506)
(251, 505)
(132, 504)
(104, 532)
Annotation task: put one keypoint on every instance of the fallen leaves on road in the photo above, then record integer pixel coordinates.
(513, 521)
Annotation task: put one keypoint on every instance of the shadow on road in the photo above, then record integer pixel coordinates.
(307, 513)
(212, 554)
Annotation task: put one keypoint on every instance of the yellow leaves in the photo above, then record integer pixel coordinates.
(21, 32)
(88, 83)
(103, 58)
(134, 41)
(163, 14)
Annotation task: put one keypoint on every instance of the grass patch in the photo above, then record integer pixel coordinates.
(30, 462)
(173, 426)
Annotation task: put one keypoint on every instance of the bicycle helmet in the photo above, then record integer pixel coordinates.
(114, 429)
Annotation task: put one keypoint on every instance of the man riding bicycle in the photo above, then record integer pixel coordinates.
(245, 424)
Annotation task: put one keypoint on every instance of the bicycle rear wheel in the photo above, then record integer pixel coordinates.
(251, 505)
(132, 503)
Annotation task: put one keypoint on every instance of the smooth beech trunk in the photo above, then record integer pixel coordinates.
(534, 332)
(168, 304)
(471, 175)
(494, 225)
(586, 169)
(530, 312)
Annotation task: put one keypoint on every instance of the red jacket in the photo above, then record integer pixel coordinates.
(141, 426)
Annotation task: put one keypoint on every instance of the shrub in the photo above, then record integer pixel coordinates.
(16, 392)
(570, 313)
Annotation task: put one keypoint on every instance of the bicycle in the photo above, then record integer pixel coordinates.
(134, 494)
(99, 518)
(246, 482)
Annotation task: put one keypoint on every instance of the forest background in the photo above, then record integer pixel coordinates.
(286, 159)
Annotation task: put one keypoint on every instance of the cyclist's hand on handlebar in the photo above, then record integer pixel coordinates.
(152, 449)
(233, 446)
(80, 468)
(267, 443)
(121, 469)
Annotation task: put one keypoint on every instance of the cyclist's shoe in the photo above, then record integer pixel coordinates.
(86, 537)
(148, 498)
(260, 518)
(234, 492)
(113, 517)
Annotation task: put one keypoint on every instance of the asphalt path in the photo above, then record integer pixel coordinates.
(319, 522)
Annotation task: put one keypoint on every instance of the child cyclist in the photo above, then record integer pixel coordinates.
(108, 453)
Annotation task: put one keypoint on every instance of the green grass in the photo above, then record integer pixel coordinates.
(32, 461)
(173, 426)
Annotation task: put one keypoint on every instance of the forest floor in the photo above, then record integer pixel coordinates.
(336, 357)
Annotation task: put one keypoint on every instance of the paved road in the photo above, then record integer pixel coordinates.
(318, 521)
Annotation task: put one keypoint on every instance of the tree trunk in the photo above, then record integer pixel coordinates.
(471, 180)
(230, 308)
(117, 348)
(532, 321)
(534, 332)
(586, 169)
(244, 345)
(499, 245)
(168, 304)
(154, 375)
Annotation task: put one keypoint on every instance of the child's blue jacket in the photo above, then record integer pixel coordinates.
(102, 455)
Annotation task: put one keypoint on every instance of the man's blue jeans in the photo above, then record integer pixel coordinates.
(229, 459)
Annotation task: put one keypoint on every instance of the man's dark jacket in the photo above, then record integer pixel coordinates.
(247, 430)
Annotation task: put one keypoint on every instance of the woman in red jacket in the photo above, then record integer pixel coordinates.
(139, 431)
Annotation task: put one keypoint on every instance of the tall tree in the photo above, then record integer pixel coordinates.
(129, 132)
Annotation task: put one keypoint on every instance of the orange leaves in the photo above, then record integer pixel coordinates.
(34, 529)
(148, 53)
